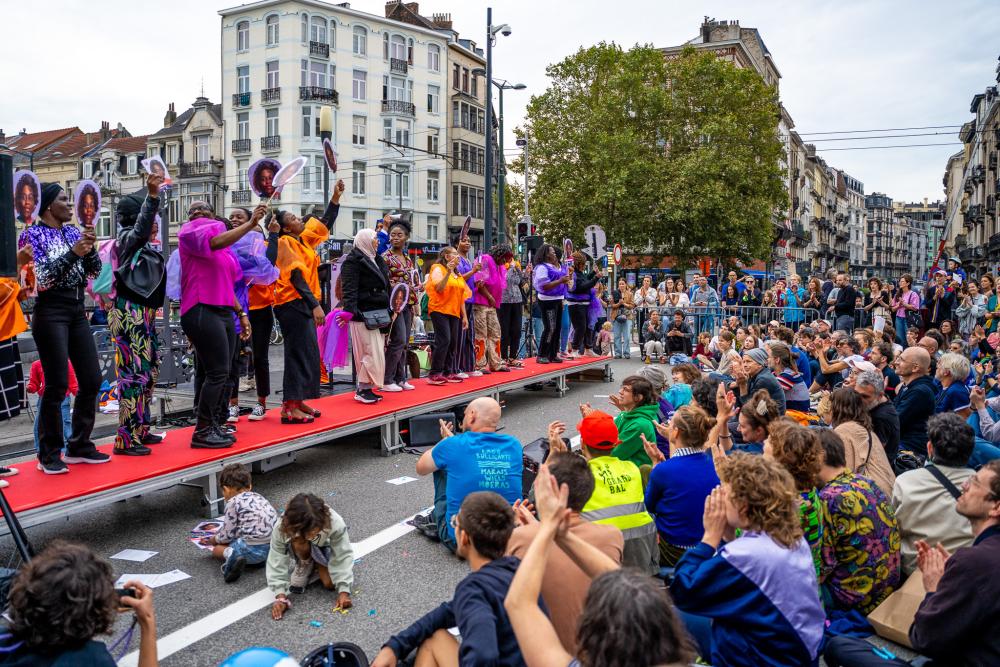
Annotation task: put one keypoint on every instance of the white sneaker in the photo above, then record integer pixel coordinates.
(234, 414)
(407, 386)
(464, 376)
(257, 413)
(4, 484)
(475, 374)
(391, 388)
(247, 383)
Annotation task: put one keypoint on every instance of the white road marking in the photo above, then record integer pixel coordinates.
(219, 620)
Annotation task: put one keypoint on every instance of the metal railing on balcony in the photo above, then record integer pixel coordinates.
(318, 94)
(206, 168)
(270, 96)
(319, 49)
(241, 145)
(241, 196)
(241, 100)
(397, 66)
(399, 106)
(270, 143)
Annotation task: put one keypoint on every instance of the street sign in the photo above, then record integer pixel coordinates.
(521, 143)
(594, 241)
(618, 254)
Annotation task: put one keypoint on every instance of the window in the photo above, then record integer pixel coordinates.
(433, 185)
(318, 164)
(307, 122)
(397, 47)
(456, 77)
(465, 79)
(271, 122)
(387, 129)
(88, 169)
(358, 220)
(456, 120)
(403, 133)
(201, 148)
(360, 40)
(359, 130)
(434, 58)
(241, 174)
(153, 151)
(133, 162)
(432, 228)
(396, 88)
(385, 45)
(474, 83)
(358, 178)
(316, 74)
(433, 99)
(317, 31)
(103, 227)
(271, 23)
(171, 153)
(272, 74)
(243, 36)
(359, 85)
(455, 206)
(243, 79)
(409, 50)
(305, 28)
(307, 179)
(432, 140)
(243, 125)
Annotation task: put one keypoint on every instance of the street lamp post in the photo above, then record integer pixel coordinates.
(501, 190)
(491, 33)
(28, 154)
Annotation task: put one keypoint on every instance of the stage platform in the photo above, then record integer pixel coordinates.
(37, 498)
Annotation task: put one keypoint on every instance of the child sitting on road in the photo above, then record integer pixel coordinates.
(309, 533)
(246, 530)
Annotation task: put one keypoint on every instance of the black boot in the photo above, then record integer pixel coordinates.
(225, 433)
(207, 437)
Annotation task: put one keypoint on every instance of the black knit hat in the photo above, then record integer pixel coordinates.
(128, 208)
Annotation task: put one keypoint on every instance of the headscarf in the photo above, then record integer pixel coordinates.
(364, 241)
(49, 193)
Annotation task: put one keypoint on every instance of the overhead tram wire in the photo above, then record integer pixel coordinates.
(885, 129)
(869, 148)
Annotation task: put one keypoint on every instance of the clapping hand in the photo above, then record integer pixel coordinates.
(551, 499)
(447, 428)
(931, 562)
(652, 451)
(556, 444)
(585, 409)
(714, 518)
(524, 513)
(977, 398)
(616, 400)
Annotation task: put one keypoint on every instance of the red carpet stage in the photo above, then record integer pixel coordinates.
(37, 498)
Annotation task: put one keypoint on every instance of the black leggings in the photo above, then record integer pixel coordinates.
(578, 318)
(62, 335)
(510, 329)
(548, 346)
(261, 325)
(447, 339)
(213, 333)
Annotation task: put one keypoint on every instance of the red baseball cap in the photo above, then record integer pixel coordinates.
(598, 431)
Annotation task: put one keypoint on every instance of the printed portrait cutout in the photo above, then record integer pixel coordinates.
(27, 196)
(87, 202)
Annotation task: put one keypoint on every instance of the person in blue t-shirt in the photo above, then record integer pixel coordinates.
(952, 370)
(479, 459)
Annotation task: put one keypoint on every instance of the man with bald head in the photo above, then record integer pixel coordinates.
(914, 399)
(932, 346)
(477, 459)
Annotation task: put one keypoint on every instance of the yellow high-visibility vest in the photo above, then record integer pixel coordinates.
(618, 499)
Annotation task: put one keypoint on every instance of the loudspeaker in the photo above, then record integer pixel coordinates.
(425, 431)
(8, 234)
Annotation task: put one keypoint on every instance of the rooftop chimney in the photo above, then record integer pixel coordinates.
(3, 137)
(105, 130)
(390, 7)
(171, 116)
(442, 21)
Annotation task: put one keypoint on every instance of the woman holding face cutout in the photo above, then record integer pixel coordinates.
(401, 275)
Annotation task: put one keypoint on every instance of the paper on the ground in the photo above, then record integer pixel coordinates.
(137, 555)
(401, 480)
(153, 580)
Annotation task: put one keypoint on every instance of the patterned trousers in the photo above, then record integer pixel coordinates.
(486, 329)
(137, 359)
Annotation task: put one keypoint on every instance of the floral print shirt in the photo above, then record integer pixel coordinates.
(249, 516)
(56, 265)
(811, 515)
(861, 557)
(401, 270)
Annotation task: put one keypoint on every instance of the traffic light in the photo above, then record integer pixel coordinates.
(522, 230)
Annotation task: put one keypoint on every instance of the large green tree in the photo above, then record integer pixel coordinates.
(681, 156)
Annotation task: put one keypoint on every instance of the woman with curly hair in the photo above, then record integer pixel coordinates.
(754, 419)
(753, 600)
(798, 451)
(64, 598)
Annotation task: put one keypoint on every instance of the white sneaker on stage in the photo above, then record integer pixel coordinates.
(407, 386)
(392, 388)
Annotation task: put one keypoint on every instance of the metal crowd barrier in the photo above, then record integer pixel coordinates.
(710, 318)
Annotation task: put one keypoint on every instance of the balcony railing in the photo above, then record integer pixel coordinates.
(270, 143)
(270, 96)
(318, 94)
(319, 49)
(397, 66)
(206, 168)
(241, 196)
(399, 106)
(241, 145)
(241, 100)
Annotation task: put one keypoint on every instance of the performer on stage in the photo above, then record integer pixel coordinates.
(550, 281)
(65, 258)
(490, 282)
(364, 279)
(401, 272)
(296, 305)
(446, 294)
(467, 350)
(261, 315)
(579, 295)
(511, 313)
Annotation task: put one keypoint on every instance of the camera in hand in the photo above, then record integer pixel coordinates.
(125, 592)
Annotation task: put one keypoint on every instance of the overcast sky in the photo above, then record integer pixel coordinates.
(845, 64)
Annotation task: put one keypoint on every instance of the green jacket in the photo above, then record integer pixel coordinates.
(341, 565)
(637, 421)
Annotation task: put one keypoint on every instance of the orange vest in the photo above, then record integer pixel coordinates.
(299, 254)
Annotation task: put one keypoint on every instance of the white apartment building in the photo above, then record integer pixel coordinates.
(285, 60)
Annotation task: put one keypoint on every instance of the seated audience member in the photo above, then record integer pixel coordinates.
(752, 423)
(702, 352)
(618, 491)
(245, 536)
(787, 336)
(309, 537)
(61, 601)
(885, 422)
(727, 355)
(625, 620)
(923, 502)
(703, 392)
(754, 599)
(881, 357)
(955, 623)
(678, 335)
(639, 408)
(755, 375)
(932, 342)
(798, 451)
(860, 548)
(679, 392)
(986, 447)
(915, 399)
(863, 450)
(478, 459)
(664, 408)
(791, 381)
(832, 354)
(952, 371)
(483, 526)
(564, 585)
(652, 339)
(679, 485)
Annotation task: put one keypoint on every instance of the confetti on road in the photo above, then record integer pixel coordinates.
(316, 624)
(371, 612)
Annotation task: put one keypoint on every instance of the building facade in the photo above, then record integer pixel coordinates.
(932, 217)
(466, 136)
(284, 61)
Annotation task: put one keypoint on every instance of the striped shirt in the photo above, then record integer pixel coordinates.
(796, 391)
